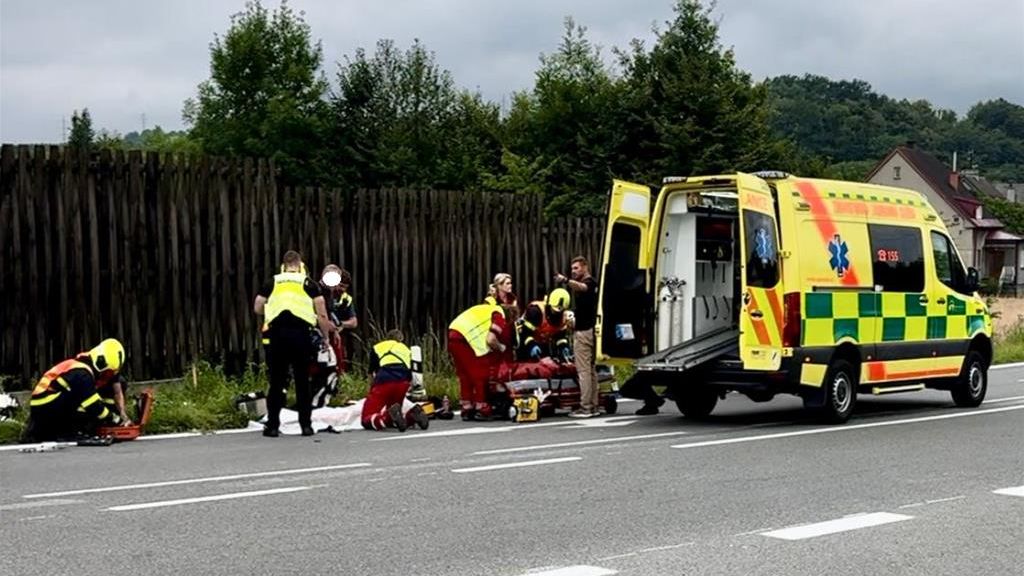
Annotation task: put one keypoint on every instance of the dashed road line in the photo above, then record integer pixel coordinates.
(835, 526)
(580, 570)
(286, 472)
(517, 465)
(39, 504)
(1015, 491)
(202, 499)
(579, 443)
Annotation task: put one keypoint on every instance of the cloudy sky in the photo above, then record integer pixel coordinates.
(135, 61)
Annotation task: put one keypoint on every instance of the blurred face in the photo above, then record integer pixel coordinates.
(578, 270)
(505, 286)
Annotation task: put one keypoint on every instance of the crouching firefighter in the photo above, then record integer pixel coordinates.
(544, 329)
(391, 369)
(66, 402)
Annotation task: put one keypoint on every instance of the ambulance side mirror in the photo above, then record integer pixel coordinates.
(973, 282)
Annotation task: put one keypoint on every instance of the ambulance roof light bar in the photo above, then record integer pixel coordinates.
(771, 174)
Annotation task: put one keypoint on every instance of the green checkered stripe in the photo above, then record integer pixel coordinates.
(830, 317)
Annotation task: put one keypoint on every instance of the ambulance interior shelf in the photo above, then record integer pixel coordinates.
(697, 293)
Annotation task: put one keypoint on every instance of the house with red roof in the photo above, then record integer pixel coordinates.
(983, 241)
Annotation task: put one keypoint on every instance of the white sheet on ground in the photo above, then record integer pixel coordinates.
(328, 419)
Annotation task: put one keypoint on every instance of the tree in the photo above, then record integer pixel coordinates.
(399, 120)
(264, 94)
(81, 136)
(687, 108)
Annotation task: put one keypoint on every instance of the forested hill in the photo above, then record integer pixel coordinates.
(852, 127)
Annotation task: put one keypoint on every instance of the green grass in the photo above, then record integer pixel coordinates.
(1009, 346)
(203, 400)
(10, 431)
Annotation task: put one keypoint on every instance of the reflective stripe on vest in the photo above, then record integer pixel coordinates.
(474, 324)
(393, 353)
(289, 294)
(55, 376)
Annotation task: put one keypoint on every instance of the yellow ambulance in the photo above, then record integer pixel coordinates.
(769, 283)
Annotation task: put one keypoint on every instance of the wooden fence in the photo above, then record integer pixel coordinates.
(167, 253)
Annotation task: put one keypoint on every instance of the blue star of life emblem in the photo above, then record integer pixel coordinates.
(763, 245)
(839, 260)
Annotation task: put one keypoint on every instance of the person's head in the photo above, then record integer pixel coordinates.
(502, 284)
(107, 356)
(557, 303)
(292, 262)
(580, 268)
(395, 335)
(336, 278)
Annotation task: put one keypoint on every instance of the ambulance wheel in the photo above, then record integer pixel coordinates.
(697, 402)
(840, 391)
(969, 389)
(611, 405)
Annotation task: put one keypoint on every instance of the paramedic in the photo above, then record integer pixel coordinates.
(474, 342)
(391, 376)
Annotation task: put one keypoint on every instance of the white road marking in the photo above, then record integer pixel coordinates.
(845, 428)
(580, 570)
(617, 557)
(1009, 399)
(579, 443)
(605, 422)
(470, 431)
(39, 517)
(1016, 491)
(936, 501)
(183, 501)
(834, 526)
(198, 480)
(39, 504)
(669, 547)
(1010, 365)
(516, 465)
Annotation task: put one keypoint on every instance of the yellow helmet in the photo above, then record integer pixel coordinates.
(108, 355)
(558, 300)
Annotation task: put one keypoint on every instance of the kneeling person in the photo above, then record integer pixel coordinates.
(391, 369)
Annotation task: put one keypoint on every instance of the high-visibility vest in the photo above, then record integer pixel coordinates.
(393, 353)
(289, 294)
(543, 333)
(474, 324)
(52, 384)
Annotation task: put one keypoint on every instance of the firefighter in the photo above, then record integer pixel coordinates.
(291, 305)
(391, 376)
(544, 328)
(65, 403)
(474, 343)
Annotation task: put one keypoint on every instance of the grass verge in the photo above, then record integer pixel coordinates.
(1009, 346)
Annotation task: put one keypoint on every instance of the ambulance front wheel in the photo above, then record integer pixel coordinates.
(840, 391)
(970, 387)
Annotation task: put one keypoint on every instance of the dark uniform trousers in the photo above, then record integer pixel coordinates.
(289, 349)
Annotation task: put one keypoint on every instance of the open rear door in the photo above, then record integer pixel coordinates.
(761, 314)
(623, 314)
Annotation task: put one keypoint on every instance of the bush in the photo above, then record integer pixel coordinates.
(204, 400)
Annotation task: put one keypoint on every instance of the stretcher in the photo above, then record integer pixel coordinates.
(524, 391)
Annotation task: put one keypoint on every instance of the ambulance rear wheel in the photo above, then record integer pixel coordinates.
(970, 387)
(840, 391)
(696, 403)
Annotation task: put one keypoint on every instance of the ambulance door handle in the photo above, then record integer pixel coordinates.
(940, 301)
(923, 299)
(757, 314)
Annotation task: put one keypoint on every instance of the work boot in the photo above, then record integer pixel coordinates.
(647, 410)
(419, 417)
(271, 432)
(308, 431)
(467, 414)
(397, 419)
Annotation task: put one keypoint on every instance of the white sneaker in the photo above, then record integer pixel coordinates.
(580, 413)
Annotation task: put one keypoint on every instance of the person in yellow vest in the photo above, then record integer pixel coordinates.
(66, 404)
(391, 376)
(544, 328)
(291, 305)
(474, 343)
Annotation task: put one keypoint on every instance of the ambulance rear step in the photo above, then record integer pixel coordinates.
(695, 352)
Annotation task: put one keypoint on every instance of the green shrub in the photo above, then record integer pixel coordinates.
(203, 400)
(1009, 346)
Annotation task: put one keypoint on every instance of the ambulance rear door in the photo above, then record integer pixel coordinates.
(624, 314)
(761, 312)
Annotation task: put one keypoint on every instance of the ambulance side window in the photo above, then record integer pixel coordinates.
(762, 243)
(897, 258)
(947, 264)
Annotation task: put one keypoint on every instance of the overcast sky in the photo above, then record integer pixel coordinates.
(129, 59)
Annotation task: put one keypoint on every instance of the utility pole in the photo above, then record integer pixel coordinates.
(143, 121)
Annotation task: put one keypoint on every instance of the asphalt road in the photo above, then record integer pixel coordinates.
(911, 485)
